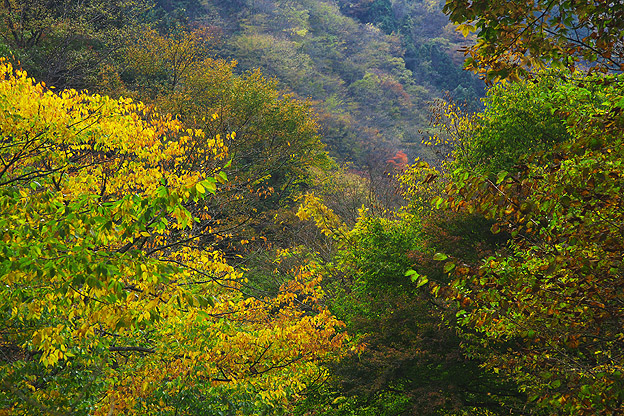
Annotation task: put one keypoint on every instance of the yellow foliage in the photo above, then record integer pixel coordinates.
(454, 127)
(420, 182)
(100, 271)
(326, 220)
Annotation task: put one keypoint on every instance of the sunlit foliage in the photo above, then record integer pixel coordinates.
(107, 303)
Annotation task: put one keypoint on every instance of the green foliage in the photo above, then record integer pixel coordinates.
(271, 137)
(513, 41)
(377, 12)
(67, 43)
(186, 9)
(370, 102)
(517, 120)
(554, 297)
(408, 359)
(429, 42)
(378, 250)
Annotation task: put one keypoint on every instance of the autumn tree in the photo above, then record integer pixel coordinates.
(409, 358)
(513, 39)
(546, 309)
(271, 138)
(67, 43)
(516, 120)
(107, 304)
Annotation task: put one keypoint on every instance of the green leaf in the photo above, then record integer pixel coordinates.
(419, 279)
(210, 185)
(501, 176)
(440, 256)
(448, 267)
(422, 280)
(205, 301)
(202, 315)
(437, 202)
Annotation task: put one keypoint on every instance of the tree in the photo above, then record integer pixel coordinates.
(547, 309)
(409, 358)
(66, 43)
(271, 137)
(517, 120)
(378, 12)
(106, 303)
(512, 39)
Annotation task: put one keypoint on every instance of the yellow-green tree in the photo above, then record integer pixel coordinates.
(271, 137)
(546, 309)
(106, 304)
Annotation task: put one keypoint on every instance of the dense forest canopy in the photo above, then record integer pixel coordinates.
(371, 66)
(307, 207)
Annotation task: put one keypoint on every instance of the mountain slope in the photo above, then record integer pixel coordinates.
(370, 75)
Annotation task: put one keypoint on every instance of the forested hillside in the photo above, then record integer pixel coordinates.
(370, 68)
(301, 207)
